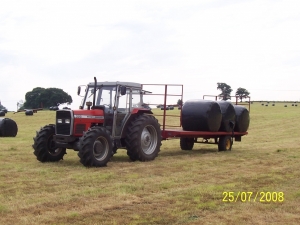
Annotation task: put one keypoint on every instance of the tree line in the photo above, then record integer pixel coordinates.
(226, 92)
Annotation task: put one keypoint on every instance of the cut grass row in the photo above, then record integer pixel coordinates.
(178, 187)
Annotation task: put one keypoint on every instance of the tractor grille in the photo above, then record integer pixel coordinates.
(79, 128)
(63, 128)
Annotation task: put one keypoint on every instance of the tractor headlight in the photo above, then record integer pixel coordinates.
(67, 120)
(59, 120)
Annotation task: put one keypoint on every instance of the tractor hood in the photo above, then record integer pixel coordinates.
(83, 119)
(89, 114)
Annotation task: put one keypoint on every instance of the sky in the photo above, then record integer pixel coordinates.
(197, 43)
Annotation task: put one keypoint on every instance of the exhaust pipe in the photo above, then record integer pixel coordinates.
(95, 87)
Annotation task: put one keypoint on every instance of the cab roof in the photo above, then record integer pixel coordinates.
(114, 83)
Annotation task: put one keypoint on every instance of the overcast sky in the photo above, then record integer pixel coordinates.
(63, 44)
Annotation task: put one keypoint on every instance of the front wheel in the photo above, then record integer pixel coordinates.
(44, 147)
(143, 138)
(95, 147)
(225, 143)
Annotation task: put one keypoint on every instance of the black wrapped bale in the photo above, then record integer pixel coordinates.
(2, 113)
(201, 115)
(8, 128)
(28, 112)
(242, 119)
(228, 116)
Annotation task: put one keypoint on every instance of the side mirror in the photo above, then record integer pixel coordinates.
(78, 90)
(123, 90)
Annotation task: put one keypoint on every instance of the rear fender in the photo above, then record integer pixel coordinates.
(134, 114)
(141, 111)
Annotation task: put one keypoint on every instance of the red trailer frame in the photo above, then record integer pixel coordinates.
(171, 131)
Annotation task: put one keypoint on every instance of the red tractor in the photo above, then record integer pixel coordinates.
(112, 115)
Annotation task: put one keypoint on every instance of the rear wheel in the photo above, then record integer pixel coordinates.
(186, 143)
(225, 143)
(44, 147)
(95, 147)
(143, 138)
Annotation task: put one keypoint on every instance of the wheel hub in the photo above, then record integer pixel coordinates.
(52, 149)
(148, 140)
(100, 149)
(228, 143)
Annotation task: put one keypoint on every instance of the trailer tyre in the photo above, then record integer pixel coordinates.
(143, 138)
(186, 143)
(225, 143)
(44, 146)
(95, 147)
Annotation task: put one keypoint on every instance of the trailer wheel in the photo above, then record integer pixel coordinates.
(186, 143)
(44, 146)
(225, 143)
(143, 138)
(95, 147)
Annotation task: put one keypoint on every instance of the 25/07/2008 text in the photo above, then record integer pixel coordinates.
(249, 196)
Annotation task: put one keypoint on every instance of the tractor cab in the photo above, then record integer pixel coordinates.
(114, 101)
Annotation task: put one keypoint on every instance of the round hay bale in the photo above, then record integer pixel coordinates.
(228, 115)
(8, 128)
(266, 105)
(273, 104)
(2, 113)
(285, 105)
(296, 105)
(201, 115)
(242, 118)
(262, 103)
(28, 112)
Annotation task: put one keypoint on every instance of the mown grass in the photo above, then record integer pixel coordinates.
(178, 187)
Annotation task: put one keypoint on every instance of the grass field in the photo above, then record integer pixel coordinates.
(202, 186)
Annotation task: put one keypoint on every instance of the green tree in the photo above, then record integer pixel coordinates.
(225, 91)
(179, 102)
(2, 108)
(41, 97)
(242, 93)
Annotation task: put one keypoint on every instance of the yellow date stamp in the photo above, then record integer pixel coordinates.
(249, 196)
